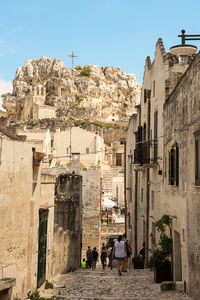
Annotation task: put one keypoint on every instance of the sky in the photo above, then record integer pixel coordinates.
(119, 33)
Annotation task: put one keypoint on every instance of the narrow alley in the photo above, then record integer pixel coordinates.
(106, 285)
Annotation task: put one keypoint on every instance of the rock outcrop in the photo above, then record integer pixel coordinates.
(45, 88)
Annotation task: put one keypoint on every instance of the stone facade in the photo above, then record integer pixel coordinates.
(164, 125)
(23, 195)
(181, 127)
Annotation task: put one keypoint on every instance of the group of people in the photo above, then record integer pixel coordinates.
(119, 251)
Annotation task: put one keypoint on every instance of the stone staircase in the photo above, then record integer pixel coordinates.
(107, 176)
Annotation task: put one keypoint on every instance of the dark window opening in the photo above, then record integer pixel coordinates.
(155, 135)
(197, 159)
(174, 165)
(118, 159)
(87, 150)
(144, 132)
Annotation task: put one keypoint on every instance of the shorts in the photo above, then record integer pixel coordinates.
(120, 258)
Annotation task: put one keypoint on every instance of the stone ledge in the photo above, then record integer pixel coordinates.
(7, 283)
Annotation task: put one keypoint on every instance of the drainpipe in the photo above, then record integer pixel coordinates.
(136, 194)
(125, 202)
(147, 188)
(101, 186)
(136, 213)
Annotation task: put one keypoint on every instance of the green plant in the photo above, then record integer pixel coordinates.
(48, 285)
(163, 250)
(34, 296)
(78, 68)
(16, 298)
(85, 72)
(5, 95)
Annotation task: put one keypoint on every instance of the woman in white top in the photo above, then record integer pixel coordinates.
(120, 254)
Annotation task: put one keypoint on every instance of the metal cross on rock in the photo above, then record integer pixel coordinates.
(72, 56)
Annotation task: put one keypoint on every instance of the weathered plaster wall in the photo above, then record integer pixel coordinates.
(181, 121)
(66, 253)
(19, 215)
(15, 195)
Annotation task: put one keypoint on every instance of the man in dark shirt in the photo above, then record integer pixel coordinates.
(89, 257)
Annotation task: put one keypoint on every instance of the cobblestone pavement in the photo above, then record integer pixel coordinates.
(106, 285)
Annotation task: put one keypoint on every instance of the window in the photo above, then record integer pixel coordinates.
(38, 91)
(197, 158)
(147, 95)
(174, 165)
(67, 150)
(118, 159)
(117, 192)
(51, 143)
(144, 132)
(155, 135)
(87, 150)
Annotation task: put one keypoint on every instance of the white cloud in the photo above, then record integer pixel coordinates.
(5, 87)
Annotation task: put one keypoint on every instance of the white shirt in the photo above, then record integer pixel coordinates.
(119, 249)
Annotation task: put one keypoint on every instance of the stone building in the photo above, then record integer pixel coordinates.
(156, 138)
(41, 217)
(181, 184)
(26, 201)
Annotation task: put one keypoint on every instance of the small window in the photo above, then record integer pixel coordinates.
(67, 150)
(87, 150)
(118, 159)
(197, 158)
(147, 95)
(51, 143)
(174, 165)
(38, 91)
(155, 136)
(144, 132)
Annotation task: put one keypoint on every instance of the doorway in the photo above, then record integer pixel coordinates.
(42, 247)
(177, 257)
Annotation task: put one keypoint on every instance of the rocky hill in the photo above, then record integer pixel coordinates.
(45, 88)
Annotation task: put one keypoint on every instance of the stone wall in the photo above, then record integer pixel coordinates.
(66, 251)
(181, 121)
(20, 203)
(111, 229)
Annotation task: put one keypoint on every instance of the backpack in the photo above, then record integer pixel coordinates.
(103, 254)
(128, 250)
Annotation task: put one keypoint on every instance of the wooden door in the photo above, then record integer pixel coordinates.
(42, 247)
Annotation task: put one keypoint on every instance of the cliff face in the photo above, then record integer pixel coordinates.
(90, 92)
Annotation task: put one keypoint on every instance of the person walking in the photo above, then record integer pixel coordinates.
(103, 257)
(89, 257)
(128, 252)
(120, 254)
(95, 255)
(110, 255)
